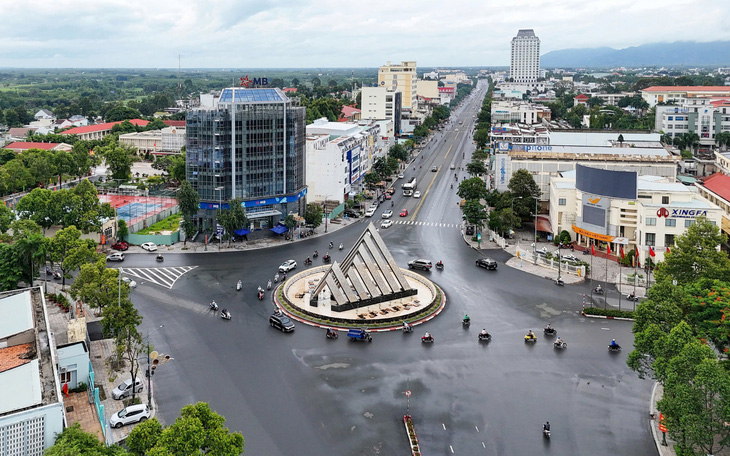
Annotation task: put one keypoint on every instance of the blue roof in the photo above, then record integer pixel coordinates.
(244, 95)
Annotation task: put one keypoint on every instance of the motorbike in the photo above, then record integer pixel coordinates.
(307, 261)
(586, 252)
(485, 337)
(213, 306)
(238, 286)
(332, 244)
(268, 285)
(550, 331)
(49, 271)
(632, 298)
(160, 258)
(530, 338)
(546, 432)
(331, 334)
(560, 344)
(341, 246)
(598, 290)
(261, 295)
(326, 258)
(276, 278)
(452, 185)
(465, 322)
(56, 275)
(226, 315)
(559, 282)
(614, 348)
(407, 328)
(427, 339)
(439, 265)
(315, 254)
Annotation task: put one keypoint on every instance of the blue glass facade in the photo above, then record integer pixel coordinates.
(251, 147)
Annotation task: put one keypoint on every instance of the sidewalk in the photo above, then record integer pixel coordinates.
(656, 394)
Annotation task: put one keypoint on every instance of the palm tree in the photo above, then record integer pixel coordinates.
(722, 139)
(691, 139)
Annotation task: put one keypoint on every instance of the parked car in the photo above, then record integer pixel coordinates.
(390, 190)
(487, 263)
(128, 415)
(116, 256)
(417, 194)
(351, 213)
(121, 245)
(287, 266)
(281, 322)
(404, 213)
(149, 246)
(387, 214)
(469, 230)
(124, 389)
(401, 176)
(132, 283)
(386, 224)
(388, 196)
(420, 264)
(370, 212)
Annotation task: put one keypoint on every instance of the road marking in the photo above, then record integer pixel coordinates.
(450, 447)
(475, 427)
(482, 442)
(442, 424)
(164, 277)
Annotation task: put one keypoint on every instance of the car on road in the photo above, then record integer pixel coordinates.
(487, 263)
(149, 246)
(386, 224)
(130, 282)
(417, 194)
(404, 213)
(281, 322)
(128, 415)
(387, 214)
(370, 212)
(401, 176)
(287, 266)
(390, 190)
(116, 256)
(434, 169)
(387, 196)
(420, 264)
(124, 389)
(121, 245)
(569, 257)
(352, 213)
(452, 166)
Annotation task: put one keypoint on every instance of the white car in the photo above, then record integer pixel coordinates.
(149, 246)
(287, 266)
(417, 194)
(370, 212)
(452, 166)
(386, 224)
(401, 176)
(387, 214)
(116, 256)
(132, 283)
(132, 414)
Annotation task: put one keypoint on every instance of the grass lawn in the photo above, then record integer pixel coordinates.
(171, 223)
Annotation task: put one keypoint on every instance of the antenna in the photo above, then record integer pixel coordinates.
(179, 83)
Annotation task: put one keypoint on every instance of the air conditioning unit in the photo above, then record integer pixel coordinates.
(62, 370)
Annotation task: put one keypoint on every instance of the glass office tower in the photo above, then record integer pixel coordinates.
(251, 146)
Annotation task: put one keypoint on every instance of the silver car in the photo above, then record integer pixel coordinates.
(124, 389)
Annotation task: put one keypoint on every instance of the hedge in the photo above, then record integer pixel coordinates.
(609, 312)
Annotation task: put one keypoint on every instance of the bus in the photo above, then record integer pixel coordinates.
(410, 187)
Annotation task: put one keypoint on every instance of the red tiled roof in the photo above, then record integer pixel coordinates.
(348, 111)
(20, 132)
(719, 184)
(289, 89)
(102, 127)
(10, 356)
(174, 123)
(720, 102)
(687, 89)
(21, 145)
(581, 97)
(446, 89)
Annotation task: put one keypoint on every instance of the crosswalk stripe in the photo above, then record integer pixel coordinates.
(164, 277)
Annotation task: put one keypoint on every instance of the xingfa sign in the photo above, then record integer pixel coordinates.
(255, 82)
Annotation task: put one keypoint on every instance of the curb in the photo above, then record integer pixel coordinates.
(606, 317)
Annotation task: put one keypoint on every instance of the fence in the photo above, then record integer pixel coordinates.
(551, 262)
(93, 394)
(154, 218)
(493, 236)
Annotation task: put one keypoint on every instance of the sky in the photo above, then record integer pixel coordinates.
(331, 34)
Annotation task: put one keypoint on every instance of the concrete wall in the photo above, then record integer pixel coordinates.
(26, 424)
(75, 357)
(159, 239)
(152, 219)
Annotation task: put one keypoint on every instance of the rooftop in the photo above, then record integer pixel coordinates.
(22, 145)
(575, 138)
(687, 89)
(718, 184)
(248, 96)
(589, 153)
(17, 315)
(21, 387)
(102, 127)
(174, 123)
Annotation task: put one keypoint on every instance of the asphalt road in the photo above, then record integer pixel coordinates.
(302, 394)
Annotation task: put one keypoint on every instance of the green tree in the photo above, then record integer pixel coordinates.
(313, 213)
(233, 218)
(74, 441)
(122, 113)
(122, 229)
(119, 159)
(67, 250)
(473, 189)
(11, 270)
(38, 207)
(29, 246)
(594, 102)
(6, 217)
(290, 222)
(504, 220)
(189, 202)
(398, 152)
(98, 286)
(524, 192)
(476, 168)
(474, 213)
(372, 179)
(481, 136)
(18, 176)
(198, 430)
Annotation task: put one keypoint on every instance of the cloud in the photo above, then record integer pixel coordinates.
(329, 33)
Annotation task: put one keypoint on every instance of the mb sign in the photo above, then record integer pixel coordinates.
(247, 82)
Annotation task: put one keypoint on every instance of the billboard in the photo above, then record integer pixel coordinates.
(603, 182)
(595, 211)
(503, 172)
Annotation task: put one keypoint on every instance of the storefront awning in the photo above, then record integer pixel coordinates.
(543, 224)
(242, 232)
(279, 229)
(262, 214)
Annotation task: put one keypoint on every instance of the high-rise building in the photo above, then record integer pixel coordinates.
(380, 103)
(401, 78)
(525, 60)
(249, 145)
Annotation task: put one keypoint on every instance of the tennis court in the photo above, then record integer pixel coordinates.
(134, 209)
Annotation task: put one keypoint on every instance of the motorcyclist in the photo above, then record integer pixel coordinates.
(452, 185)
(440, 263)
(613, 343)
(268, 285)
(548, 328)
(427, 336)
(598, 288)
(392, 203)
(283, 277)
(406, 327)
(332, 244)
(530, 334)
(632, 295)
(330, 331)
(316, 254)
(546, 426)
(225, 313)
(341, 246)
(484, 332)
(559, 341)
(466, 319)
(213, 305)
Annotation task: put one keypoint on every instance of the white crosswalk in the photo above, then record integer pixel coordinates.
(164, 277)
(433, 224)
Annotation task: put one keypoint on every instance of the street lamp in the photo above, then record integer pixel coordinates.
(149, 371)
(534, 244)
(324, 207)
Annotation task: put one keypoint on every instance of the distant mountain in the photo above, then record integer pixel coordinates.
(679, 53)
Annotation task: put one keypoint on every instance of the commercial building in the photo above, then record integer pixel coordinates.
(525, 57)
(428, 90)
(251, 145)
(31, 404)
(380, 103)
(716, 189)
(704, 116)
(98, 131)
(446, 94)
(623, 209)
(401, 78)
(518, 111)
(679, 95)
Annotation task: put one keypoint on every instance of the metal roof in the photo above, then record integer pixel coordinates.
(249, 96)
(21, 387)
(17, 312)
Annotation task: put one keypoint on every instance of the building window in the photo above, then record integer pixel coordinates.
(651, 221)
(65, 377)
(650, 239)
(665, 200)
(688, 223)
(668, 240)
(670, 222)
(562, 202)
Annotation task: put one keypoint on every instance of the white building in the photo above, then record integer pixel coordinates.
(680, 94)
(338, 155)
(166, 141)
(518, 111)
(701, 115)
(31, 404)
(401, 78)
(663, 210)
(44, 114)
(380, 103)
(525, 57)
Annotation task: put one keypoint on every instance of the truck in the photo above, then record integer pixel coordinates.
(409, 187)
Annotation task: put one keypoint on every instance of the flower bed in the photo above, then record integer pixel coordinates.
(412, 437)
